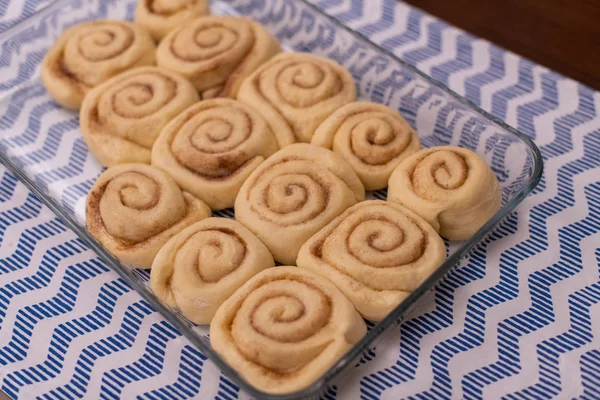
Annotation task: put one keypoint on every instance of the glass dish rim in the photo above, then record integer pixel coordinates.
(392, 319)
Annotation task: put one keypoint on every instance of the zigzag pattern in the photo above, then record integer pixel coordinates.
(505, 323)
(111, 321)
(10, 17)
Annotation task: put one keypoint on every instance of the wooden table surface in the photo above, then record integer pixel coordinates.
(563, 35)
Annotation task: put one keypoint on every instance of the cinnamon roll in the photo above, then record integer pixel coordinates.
(295, 92)
(452, 188)
(162, 16)
(200, 267)
(373, 138)
(121, 118)
(212, 147)
(217, 53)
(285, 328)
(376, 253)
(293, 194)
(133, 209)
(89, 54)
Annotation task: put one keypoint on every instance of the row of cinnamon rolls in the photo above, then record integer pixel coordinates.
(295, 194)
(213, 53)
(216, 125)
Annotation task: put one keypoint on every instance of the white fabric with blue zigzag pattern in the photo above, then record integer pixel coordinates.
(519, 319)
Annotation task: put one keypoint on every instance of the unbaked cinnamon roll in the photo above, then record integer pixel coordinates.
(201, 266)
(373, 138)
(285, 328)
(162, 16)
(452, 188)
(376, 253)
(295, 92)
(212, 147)
(121, 119)
(217, 53)
(89, 54)
(133, 209)
(293, 194)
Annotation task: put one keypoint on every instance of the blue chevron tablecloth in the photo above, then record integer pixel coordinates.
(519, 319)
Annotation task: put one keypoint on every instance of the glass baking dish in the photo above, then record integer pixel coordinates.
(41, 143)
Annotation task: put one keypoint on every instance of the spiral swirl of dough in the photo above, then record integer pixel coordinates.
(200, 267)
(89, 54)
(121, 118)
(284, 328)
(373, 138)
(295, 92)
(452, 188)
(162, 16)
(133, 209)
(212, 148)
(376, 253)
(294, 194)
(217, 53)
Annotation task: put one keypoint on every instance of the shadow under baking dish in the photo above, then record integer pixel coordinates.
(41, 144)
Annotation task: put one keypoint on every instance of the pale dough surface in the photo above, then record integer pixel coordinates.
(134, 209)
(162, 16)
(121, 118)
(293, 194)
(296, 92)
(376, 253)
(212, 147)
(284, 328)
(201, 266)
(217, 53)
(453, 188)
(373, 138)
(90, 53)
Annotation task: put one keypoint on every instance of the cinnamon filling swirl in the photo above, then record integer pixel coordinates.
(133, 209)
(217, 53)
(295, 92)
(376, 253)
(204, 264)
(373, 138)
(453, 188)
(284, 327)
(294, 194)
(121, 119)
(89, 54)
(212, 147)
